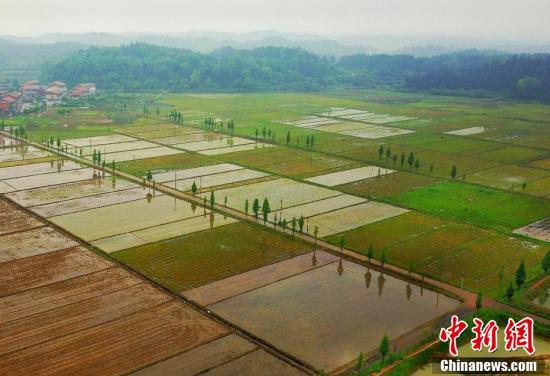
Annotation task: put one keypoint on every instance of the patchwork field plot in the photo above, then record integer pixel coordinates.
(445, 250)
(157, 233)
(221, 178)
(183, 139)
(99, 140)
(54, 178)
(234, 149)
(348, 176)
(33, 242)
(5, 188)
(8, 142)
(86, 312)
(69, 191)
(537, 230)
(291, 193)
(512, 154)
(351, 217)
(204, 358)
(138, 154)
(21, 153)
(226, 288)
(307, 166)
(352, 128)
(118, 147)
(507, 176)
(467, 131)
(12, 220)
(196, 172)
(141, 167)
(193, 260)
(216, 143)
(119, 219)
(327, 330)
(316, 207)
(166, 132)
(37, 168)
(485, 207)
(90, 202)
(388, 185)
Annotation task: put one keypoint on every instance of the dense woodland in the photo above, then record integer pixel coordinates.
(139, 67)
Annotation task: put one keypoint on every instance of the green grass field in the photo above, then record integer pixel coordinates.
(190, 261)
(445, 249)
(480, 206)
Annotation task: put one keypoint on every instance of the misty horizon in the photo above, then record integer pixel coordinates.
(490, 20)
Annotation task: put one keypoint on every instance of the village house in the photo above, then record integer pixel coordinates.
(83, 90)
(31, 90)
(55, 92)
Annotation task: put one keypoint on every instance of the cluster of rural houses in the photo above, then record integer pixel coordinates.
(31, 93)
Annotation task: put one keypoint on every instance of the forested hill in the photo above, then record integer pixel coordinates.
(139, 67)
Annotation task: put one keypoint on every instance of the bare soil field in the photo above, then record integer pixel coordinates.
(258, 362)
(202, 358)
(326, 318)
(47, 268)
(33, 242)
(118, 346)
(537, 230)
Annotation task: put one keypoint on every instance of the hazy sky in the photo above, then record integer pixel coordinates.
(483, 18)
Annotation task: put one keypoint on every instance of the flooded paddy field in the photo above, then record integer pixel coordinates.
(327, 316)
(291, 193)
(113, 148)
(54, 178)
(215, 143)
(118, 219)
(237, 176)
(349, 176)
(158, 233)
(196, 172)
(236, 148)
(90, 202)
(69, 191)
(129, 155)
(186, 138)
(37, 169)
(99, 140)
